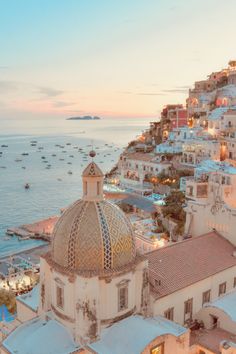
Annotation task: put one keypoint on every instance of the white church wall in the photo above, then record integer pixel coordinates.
(87, 306)
(109, 295)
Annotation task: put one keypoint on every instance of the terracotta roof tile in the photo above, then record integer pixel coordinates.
(211, 339)
(138, 156)
(179, 265)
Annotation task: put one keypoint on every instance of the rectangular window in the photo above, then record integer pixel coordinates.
(158, 349)
(206, 296)
(188, 310)
(234, 282)
(169, 314)
(123, 297)
(222, 288)
(85, 188)
(60, 297)
(98, 188)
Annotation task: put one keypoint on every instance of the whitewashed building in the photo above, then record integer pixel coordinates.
(137, 168)
(211, 202)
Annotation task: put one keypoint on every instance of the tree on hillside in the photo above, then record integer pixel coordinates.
(8, 298)
(173, 209)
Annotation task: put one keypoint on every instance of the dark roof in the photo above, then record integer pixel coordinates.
(182, 264)
(140, 202)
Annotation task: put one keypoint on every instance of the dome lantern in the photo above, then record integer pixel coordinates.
(92, 181)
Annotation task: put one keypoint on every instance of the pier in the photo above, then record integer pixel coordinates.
(41, 230)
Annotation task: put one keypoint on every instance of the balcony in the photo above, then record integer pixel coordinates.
(196, 189)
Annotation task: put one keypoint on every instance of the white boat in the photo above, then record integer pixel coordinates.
(10, 233)
(23, 238)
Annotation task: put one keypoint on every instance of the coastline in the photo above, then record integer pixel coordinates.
(36, 251)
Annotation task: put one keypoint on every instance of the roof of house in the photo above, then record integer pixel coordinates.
(216, 113)
(226, 303)
(140, 202)
(214, 166)
(212, 338)
(138, 156)
(123, 337)
(40, 336)
(182, 264)
(31, 299)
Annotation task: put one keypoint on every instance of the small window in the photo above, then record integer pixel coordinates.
(169, 314)
(158, 349)
(123, 297)
(85, 188)
(201, 352)
(60, 296)
(234, 282)
(188, 310)
(206, 296)
(222, 288)
(157, 282)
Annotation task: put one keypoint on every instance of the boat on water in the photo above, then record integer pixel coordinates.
(25, 154)
(10, 233)
(27, 186)
(23, 238)
(70, 172)
(4, 146)
(18, 160)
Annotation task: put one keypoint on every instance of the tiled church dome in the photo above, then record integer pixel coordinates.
(93, 234)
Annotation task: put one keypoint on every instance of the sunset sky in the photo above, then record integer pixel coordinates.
(110, 58)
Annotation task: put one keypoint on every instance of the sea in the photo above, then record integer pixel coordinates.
(50, 154)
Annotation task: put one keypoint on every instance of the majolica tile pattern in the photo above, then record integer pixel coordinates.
(93, 236)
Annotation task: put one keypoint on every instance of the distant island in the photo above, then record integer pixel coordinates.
(84, 118)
